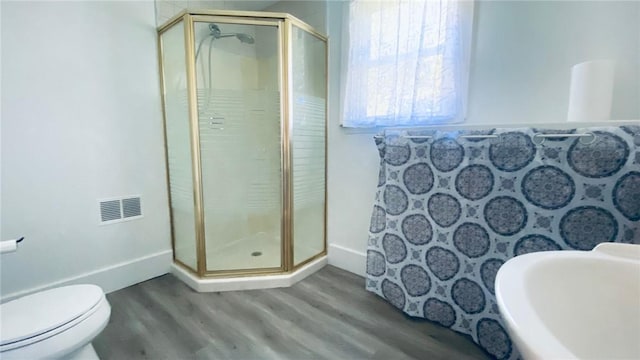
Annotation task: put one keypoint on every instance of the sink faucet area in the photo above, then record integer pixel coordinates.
(573, 304)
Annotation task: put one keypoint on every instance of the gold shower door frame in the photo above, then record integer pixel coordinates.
(284, 22)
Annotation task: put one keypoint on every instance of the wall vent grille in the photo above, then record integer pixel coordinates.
(131, 207)
(110, 210)
(120, 209)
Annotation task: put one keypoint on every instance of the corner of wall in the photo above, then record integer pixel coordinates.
(348, 259)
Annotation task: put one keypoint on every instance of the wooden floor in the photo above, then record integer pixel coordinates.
(329, 315)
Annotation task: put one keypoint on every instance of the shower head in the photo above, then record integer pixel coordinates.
(245, 38)
(217, 34)
(215, 30)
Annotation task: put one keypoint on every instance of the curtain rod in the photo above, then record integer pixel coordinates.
(479, 126)
(491, 136)
(542, 137)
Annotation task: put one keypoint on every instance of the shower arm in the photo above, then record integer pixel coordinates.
(200, 47)
(216, 34)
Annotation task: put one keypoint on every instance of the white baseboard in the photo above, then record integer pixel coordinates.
(114, 277)
(249, 282)
(348, 259)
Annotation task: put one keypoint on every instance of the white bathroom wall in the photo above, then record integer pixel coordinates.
(313, 12)
(81, 121)
(524, 50)
(520, 72)
(352, 167)
(165, 9)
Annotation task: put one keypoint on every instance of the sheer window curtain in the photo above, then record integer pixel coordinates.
(405, 63)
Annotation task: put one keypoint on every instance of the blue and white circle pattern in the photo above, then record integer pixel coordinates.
(548, 187)
(446, 154)
(378, 220)
(444, 209)
(443, 263)
(392, 292)
(494, 338)
(488, 272)
(418, 178)
(450, 212)
(397, 154)
(395, 200)
(468, 296)
(505, 215)
(417, 229)
(513, 151)
(534, 243)
(415, 279)
(626, 195)
(375, 263)
(631, 130)
(440, 312)
(474, 182)
(394, 248)
(604, 157)
(585, 227)
(471, 239)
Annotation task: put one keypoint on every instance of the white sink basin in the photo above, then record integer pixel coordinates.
(573, 304)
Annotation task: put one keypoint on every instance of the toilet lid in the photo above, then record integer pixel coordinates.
(44, 311)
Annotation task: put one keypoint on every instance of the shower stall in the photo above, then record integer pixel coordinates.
(245, 104)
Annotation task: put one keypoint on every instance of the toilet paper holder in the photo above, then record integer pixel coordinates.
(10, 245)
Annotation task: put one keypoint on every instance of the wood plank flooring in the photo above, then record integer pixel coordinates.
(329, 315)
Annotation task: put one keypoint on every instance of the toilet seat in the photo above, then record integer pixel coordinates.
(45, 313)
(53, 322)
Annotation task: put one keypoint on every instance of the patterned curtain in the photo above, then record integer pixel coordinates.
(451, 209)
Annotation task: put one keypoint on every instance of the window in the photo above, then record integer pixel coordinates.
(406, 63)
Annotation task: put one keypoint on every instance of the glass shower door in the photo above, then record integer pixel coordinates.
(238, 91)
(178, 151)
(308, 113)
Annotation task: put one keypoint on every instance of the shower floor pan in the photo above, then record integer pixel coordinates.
(258, 251)
(247, 282)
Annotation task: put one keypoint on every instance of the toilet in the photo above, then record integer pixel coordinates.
(59, 323)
